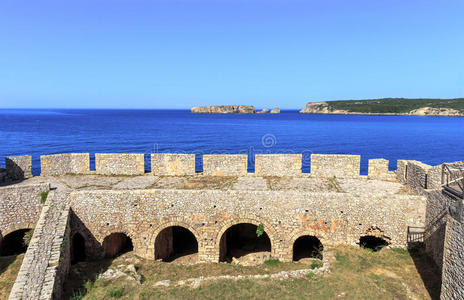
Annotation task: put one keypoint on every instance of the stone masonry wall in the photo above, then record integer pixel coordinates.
(119, 163)
(47, 259)
(378, 168)
(416, 175)
(401, 168)
(225, 165)
(278, 164)
(330, 165)
(20, 206)
(18, 167)
(453, 261)
(335, 218)
(173, 164)
(68, 163)
(435, 220)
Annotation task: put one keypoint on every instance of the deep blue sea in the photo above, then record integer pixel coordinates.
(432, 140)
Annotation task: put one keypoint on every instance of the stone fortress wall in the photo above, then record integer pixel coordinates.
(335, 218)
(171, 164)
(444, 223)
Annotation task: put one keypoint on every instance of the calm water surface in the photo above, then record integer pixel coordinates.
(432, 140)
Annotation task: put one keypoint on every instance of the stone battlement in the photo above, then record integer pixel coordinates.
(173, 164)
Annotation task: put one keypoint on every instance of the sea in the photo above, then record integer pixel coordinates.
(432, 140)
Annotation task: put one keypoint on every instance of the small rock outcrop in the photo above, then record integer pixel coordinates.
(246, 109)
(224, 109)
(263, 111)
(221, 109)
(275, 111)
(436, 111)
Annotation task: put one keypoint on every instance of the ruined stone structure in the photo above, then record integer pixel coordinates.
(92, 214)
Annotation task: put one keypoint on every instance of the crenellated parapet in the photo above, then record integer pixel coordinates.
(178, 164)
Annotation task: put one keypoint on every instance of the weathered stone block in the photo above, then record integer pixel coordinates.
(278, 164)
(378, 168)
(401, 169)
(225, 165)
(67, 163)
(416, 175)
(173, 164)
(18, 167)
(338, 165)
(119, 163)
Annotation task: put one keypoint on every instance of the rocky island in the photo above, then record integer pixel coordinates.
(389, 106)
(224, 109)
(231, 109)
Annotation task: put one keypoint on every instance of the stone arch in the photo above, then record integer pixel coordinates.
(374, 238)
(161, 227)
(13, 242)
(224, 226)
(116, 243)
(307, 246)
(16, 227)
(78, 248)
(320, 235)
(101, 235)
(174, 242)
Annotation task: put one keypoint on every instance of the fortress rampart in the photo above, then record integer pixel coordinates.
(171, 164)
(339, 215)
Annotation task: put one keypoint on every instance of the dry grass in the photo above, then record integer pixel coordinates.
(195, 182)
(406, 190)
(9, 268)
(355, 274)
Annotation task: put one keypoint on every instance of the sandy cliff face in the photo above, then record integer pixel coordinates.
(321, 108)
(436, 111)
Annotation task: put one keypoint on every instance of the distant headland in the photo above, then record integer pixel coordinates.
(389, 106)
(382, 106)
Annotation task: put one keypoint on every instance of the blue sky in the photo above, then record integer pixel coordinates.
(178, 54)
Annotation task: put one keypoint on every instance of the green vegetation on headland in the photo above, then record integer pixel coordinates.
(444, 107)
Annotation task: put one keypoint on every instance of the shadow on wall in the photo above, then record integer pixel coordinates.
(174, 242)
(15, 242)
(89, 258)
(5, 262)
(428, 270)
(240, 240)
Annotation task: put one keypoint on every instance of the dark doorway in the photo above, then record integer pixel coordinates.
(307, 246)
(116, 244)
(174, 242)
(372, 242)
(242, 239)
(78, 249)
(15, 242)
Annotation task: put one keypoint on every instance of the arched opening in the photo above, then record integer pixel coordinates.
(174, 242)
(373, 243)
(116, 244)
(15, 242)
(307, 246)
(242, 239)
(77, 248)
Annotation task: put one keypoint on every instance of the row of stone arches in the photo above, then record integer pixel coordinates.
(175, 241)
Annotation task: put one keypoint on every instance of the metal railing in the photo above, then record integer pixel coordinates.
(452, 182)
